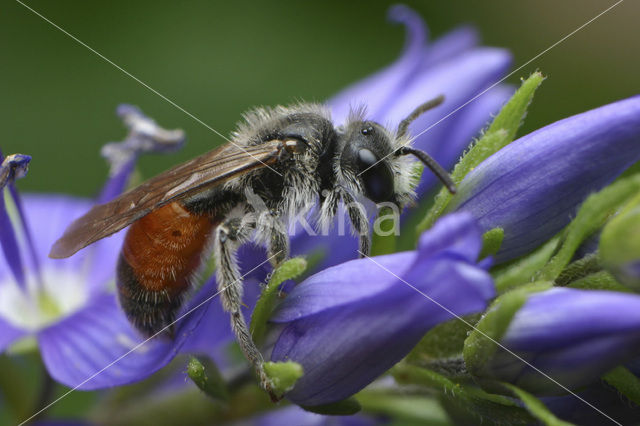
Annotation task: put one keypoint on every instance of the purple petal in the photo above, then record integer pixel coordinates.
(469, 121)
(562, 316)
(532, 187)
(458, 79)
(348, 324)
(376, 90)
(9, 243)
(293, 415)
(8, 334)
(455, 235)
(214, 334)
(449, 46)
(117, 183)
(575, 336)
(92, 348)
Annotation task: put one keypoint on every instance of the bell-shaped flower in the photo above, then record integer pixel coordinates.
(532, 187)
(348, 324)
(68, 305)
(574, 336)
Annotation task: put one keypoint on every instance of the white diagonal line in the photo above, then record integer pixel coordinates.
(144, 342)
(145, 85)
(490, 338)
(500, 81)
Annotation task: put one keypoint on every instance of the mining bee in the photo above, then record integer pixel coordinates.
(289, 157)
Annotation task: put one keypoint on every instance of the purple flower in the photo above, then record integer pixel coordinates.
(350, 323)
(453, 66)
(293, 415)
(532, 187)
(68, 305)
(574, 336)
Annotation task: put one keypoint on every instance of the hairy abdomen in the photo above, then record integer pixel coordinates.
(160, 254)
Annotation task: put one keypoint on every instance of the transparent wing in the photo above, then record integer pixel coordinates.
(203, 172)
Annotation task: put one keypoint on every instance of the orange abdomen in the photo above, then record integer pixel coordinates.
(160, 254)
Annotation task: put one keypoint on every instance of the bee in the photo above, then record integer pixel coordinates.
(287, 157)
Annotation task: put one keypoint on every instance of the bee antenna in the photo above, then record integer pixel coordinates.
(421, 109)
(432, 164)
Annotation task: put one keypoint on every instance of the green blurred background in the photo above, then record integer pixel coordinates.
(216, 59)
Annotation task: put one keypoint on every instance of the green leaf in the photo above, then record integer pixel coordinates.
(499, 134)
(346, 407)
(592, 215)
(206, 376)
(522, 271)
(536, 407)
(264, 307)
(481, 344)
(283, 375)
(384, 232)
(625, 382)
(476, 403)
(491, 242)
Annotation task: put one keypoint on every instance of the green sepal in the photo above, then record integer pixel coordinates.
(601, 280)
(499, 134)
(346, 407)
(589, 264)
(383, 240)
(620, 244)
(482, 149)
(205, 374)
(625, 382)
(265, 304)
(536, 407)
(404, 408)
(592, 215)
(283, 375)
(491, 242)
(512, 114)
(480, 345)
(522, 271)
(476, 404)
(442, 342)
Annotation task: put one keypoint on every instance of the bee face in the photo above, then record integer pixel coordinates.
(366, 156)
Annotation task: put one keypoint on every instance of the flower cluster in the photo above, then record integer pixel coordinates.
(506, 310)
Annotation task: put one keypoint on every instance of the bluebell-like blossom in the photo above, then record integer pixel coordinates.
(350, 323)
(293, 415)
(532, 187)
(574, 336)
(68, 305)
(454, 66)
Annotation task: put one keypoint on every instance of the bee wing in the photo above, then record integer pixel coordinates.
(210, 169)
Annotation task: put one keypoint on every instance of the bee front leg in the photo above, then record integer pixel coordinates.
(272, 232)
(359, 222)
(228, 237)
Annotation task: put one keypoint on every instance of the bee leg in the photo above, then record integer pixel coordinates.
(359, 222)
(229, 236)
(272, 232)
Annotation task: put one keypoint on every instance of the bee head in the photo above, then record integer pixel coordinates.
(375, 159)
(366, 157)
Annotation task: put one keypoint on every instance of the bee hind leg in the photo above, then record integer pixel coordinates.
(228, 237)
